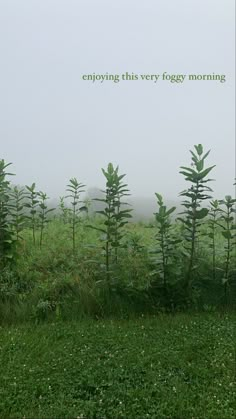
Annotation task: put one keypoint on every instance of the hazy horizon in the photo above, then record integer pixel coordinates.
(54, 125)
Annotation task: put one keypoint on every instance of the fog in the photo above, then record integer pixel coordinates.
(55, 125)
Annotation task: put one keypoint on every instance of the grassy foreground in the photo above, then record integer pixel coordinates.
(179, 366)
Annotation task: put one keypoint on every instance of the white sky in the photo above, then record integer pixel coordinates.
(54, 125)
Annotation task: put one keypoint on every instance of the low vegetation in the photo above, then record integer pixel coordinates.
(130, 319)
(70, 263)
(161, 367)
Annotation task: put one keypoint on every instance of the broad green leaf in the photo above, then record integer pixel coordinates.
(205, 172)
(227, 234)
(199, 149)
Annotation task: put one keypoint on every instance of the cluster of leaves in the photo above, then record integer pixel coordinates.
(115, 217)
(14, 218)
(227, 223)
(7, 239)
(75, 189)
(165, 254)
(193, 213)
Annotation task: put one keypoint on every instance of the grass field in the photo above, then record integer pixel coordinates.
(180, 366)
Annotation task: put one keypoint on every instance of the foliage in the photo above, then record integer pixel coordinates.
(17, 211)
(111, 272)
(64, 211)
(7, 242)
(193, 213)
(32, 204)
(43, 214)
(227, 224)
(165, 255)
(115, 218)
(213, 213)
(75, 188)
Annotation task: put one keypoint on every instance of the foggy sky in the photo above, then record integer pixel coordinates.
(54, 125)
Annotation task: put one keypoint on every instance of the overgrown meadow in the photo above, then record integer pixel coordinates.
(71, 262)
(131, 319)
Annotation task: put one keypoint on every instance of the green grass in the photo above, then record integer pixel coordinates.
(55, 282)
(179, 366)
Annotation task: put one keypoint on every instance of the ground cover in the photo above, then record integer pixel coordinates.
(168, 366)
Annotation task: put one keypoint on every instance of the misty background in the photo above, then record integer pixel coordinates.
(54, 125)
